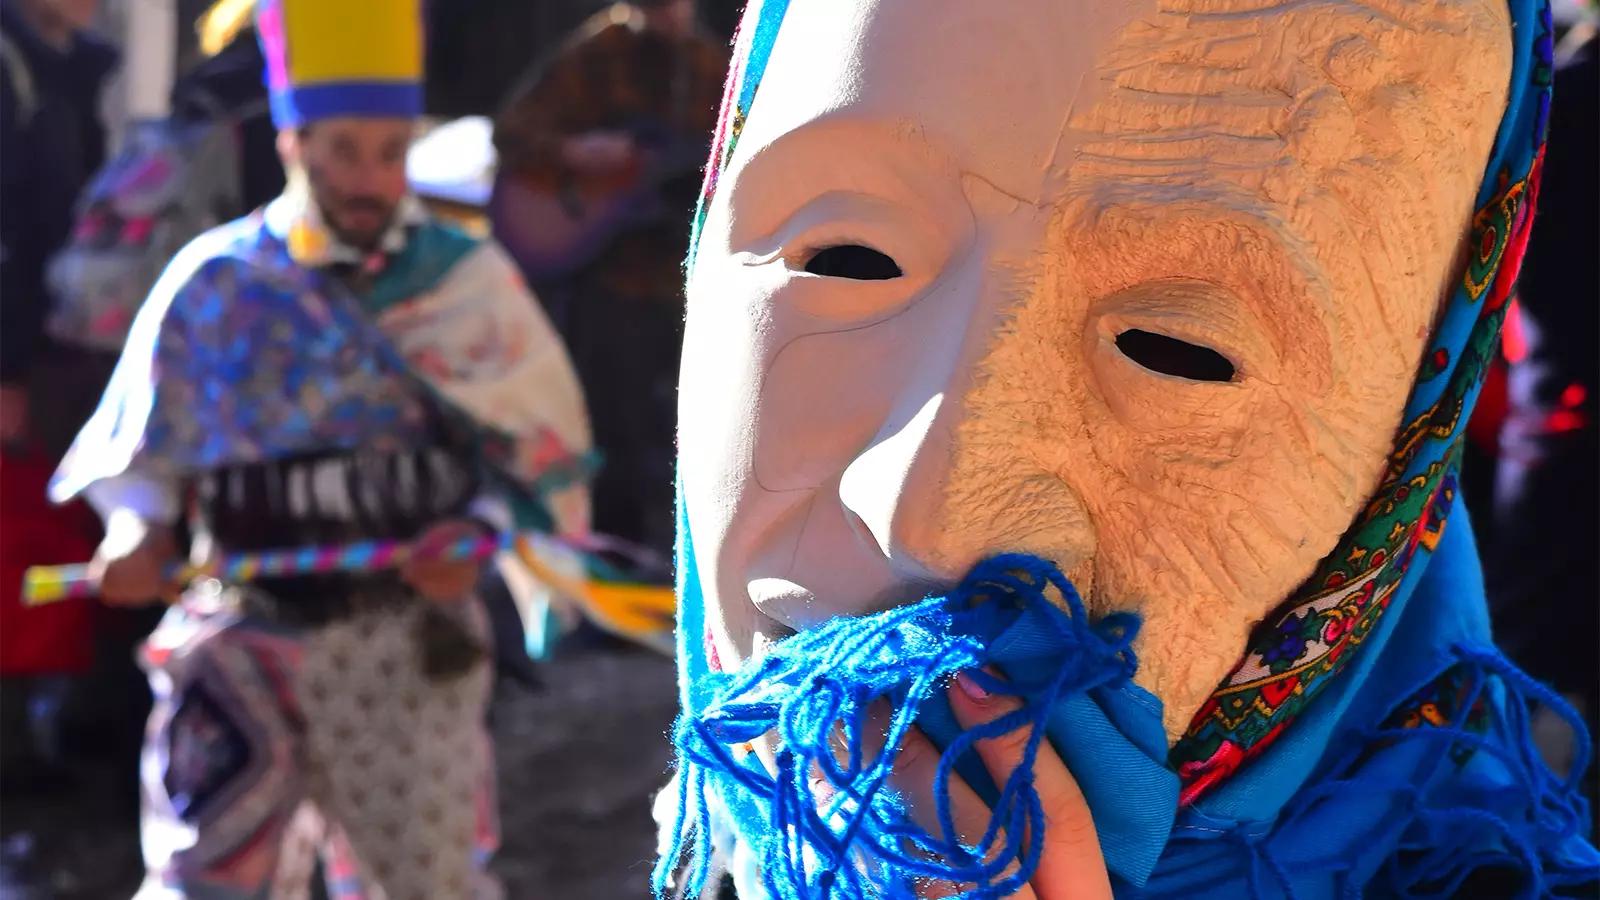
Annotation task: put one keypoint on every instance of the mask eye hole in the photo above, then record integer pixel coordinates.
(854, 262)
(1170, 356)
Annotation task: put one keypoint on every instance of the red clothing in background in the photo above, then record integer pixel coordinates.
(57, 638)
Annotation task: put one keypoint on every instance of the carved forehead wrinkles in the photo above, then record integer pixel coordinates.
(1233, 82)
(1456, 15)
(1309, 112)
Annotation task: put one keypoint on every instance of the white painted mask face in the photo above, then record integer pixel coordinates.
(1139, 290)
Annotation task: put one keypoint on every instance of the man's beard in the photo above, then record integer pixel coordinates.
(339, 209)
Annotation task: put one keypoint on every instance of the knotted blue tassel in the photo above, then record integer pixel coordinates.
(825, 824)
(1475, 795)
(1528, 812)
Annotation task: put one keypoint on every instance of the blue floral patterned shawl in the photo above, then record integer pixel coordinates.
(1371, 743)
(248, 350)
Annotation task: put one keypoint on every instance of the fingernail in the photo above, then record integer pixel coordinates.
(971, 688)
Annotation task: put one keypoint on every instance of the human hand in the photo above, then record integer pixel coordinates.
(1071, 866)
(598, 151)
(131, 563)
(441, 580)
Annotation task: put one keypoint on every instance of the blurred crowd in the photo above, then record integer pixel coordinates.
(525, 102)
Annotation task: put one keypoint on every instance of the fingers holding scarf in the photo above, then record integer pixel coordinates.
(1071, 866)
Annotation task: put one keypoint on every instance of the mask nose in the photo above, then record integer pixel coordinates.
(868, 538)
(893, 491)
(868, 542)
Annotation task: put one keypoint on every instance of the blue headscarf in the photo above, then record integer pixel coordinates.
(1372, 743)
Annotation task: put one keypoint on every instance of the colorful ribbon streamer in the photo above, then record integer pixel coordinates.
(613, 600)
(51, 584)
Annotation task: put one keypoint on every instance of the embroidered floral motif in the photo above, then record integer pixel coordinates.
(1456, 699)
(1287, 665)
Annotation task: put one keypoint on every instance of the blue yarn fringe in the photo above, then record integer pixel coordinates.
(1532, 814)
(1457, 797)
(825, 825)
(1455, 815)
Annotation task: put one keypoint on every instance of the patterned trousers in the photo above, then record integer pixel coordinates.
(271, 745)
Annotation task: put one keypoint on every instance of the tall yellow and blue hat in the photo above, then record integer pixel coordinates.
(329, 58)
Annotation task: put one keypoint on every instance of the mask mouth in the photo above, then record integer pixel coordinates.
(790, 606)
(781, 608)
(778, 593)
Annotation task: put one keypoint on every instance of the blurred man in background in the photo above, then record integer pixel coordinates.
(337, 368)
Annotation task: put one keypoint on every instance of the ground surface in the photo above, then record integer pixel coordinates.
(578, 763)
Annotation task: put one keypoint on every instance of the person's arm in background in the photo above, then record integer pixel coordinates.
(22, 292)
(140, 512)
(127, 460)
(547, 130)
